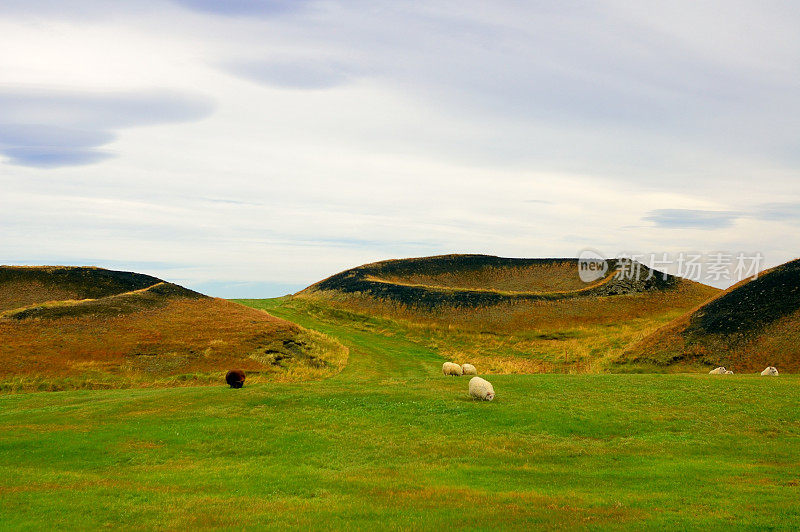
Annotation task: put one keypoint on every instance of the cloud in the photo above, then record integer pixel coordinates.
(781, 212)
(397, 122)
(691, 218)
(49, 146)
(292, 74)
(100, 110)
(243, 7)
(52, 157)
(54, 128)
(98, 9)
(701, 219)
(241, 203)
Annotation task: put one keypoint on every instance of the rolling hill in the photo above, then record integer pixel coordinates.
(753, 324)
(470, 281)
(511, 315)
(76, 327)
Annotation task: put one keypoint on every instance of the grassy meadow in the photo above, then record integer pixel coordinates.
(563, 336)
(391, 443)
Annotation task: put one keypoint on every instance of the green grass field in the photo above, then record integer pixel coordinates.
(390, 443)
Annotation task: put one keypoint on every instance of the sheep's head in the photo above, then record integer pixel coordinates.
(489, 396)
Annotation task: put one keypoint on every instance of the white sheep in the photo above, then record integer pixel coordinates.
(718, 371)
(770, 372)
(469, 369)
(449, 368)
(481, 389)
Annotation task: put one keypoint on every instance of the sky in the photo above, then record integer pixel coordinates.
(251, 148)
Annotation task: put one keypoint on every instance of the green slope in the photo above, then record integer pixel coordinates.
(389, 443)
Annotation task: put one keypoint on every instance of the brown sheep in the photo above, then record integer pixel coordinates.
(235, 378)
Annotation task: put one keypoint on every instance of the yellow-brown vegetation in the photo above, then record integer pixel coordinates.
(581, 335)
(158, 335)
(754, 324)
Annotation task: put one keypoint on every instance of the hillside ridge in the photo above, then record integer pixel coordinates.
(397, 280)
(65, 327)
(750, 325)
(22, 286)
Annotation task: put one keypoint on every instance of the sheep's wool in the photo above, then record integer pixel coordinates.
(235, 378)
(717, 371)
(449, 368)
(481, 389)
(469, 369)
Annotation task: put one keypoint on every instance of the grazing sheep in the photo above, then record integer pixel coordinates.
(469, 369)
(235, 378)
(481, 389)
(449, 368)
(770, 372)
(718, 371)
(728, 372)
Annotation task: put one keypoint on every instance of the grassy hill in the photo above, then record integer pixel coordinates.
(511, 315)
(22, 286)
(753, 324)
(391, 443)
(474, 281)
(73, 327)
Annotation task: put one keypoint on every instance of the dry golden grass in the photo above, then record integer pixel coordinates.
(526, 315)
(22, 286)
(751, 325)
(549, 277)
(673, 348)
(182, 341)
(581, 335)
(18, 294)
(74, 327)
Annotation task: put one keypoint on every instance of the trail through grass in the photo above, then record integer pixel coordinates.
(390, 443)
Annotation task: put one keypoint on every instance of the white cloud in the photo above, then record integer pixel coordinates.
(348, 132)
